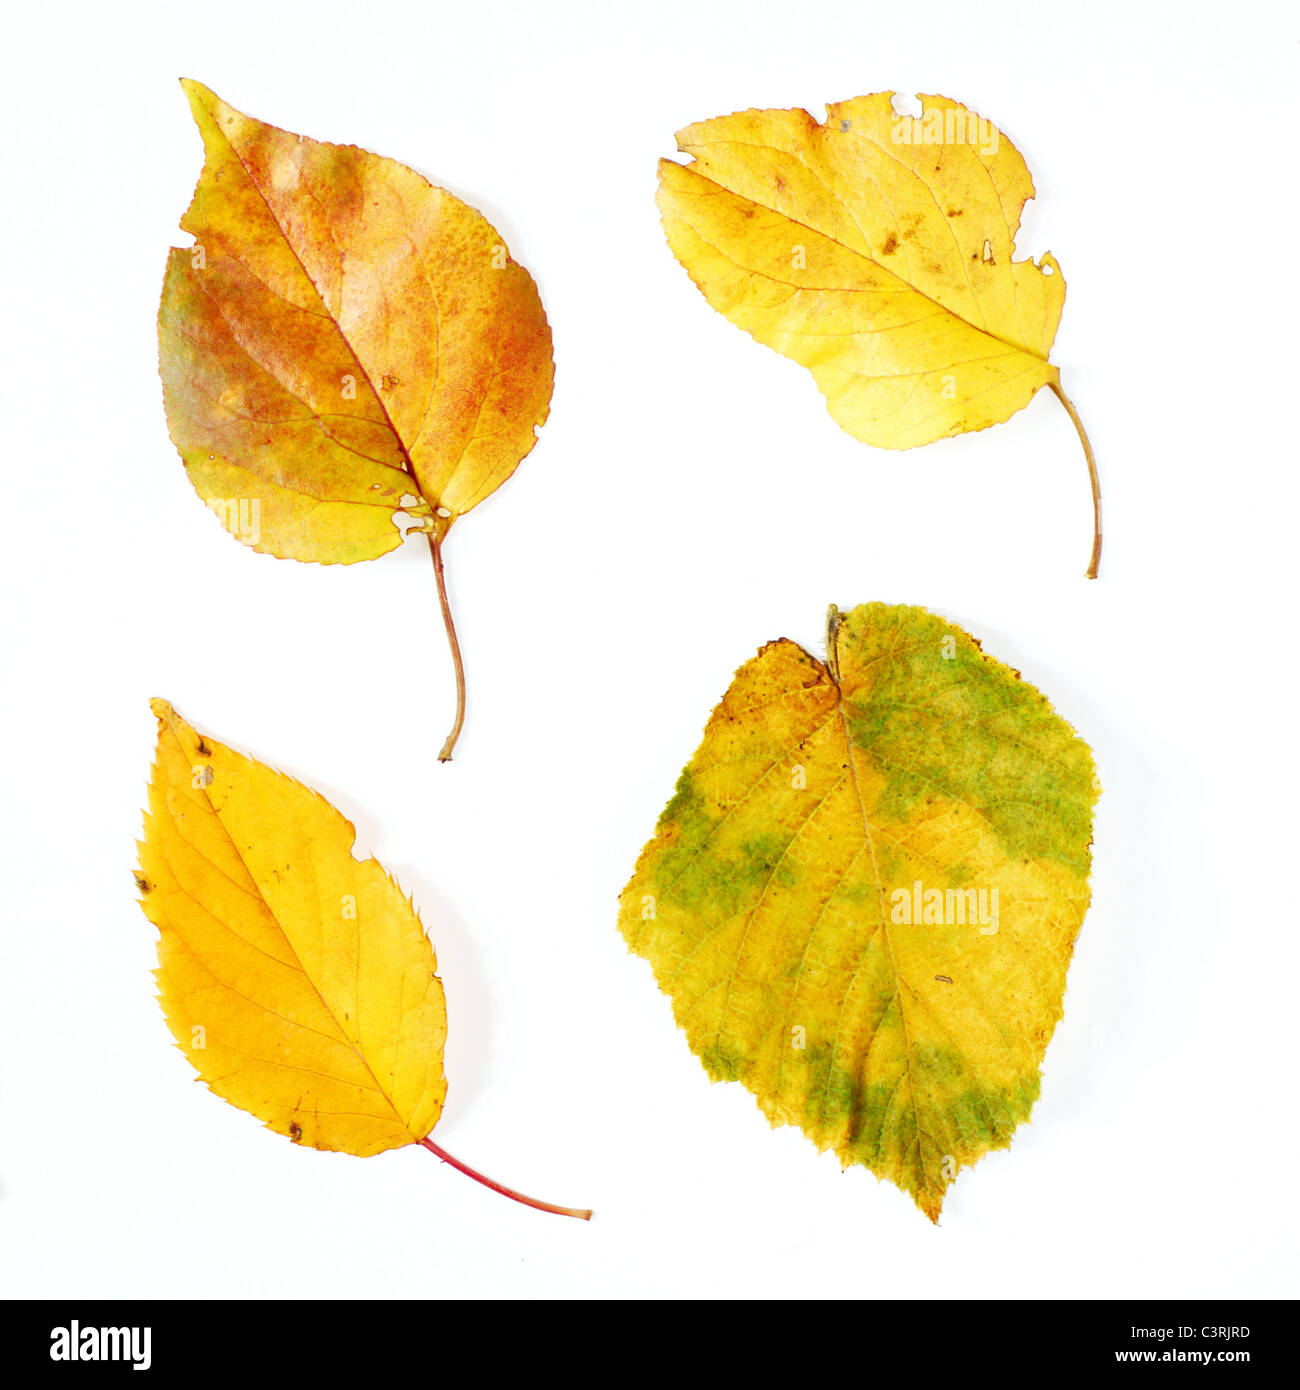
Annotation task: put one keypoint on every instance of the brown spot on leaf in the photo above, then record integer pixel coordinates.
(204, 750)
(388, 382)
(890, 246)
(143, 883)
(295, 1131)
(944, 979)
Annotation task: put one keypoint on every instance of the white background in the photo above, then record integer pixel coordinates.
(689, 499)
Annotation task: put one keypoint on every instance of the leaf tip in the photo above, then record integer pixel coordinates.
(201, 99)
(931, 1203)
(162, 709)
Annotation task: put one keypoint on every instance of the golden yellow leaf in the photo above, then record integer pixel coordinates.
(296, 978)
(864, 895)
(876, 250)
(344, 344)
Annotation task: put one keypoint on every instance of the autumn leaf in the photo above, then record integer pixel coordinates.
(344, 348)
(295, 978)
(877, 251)
(864, 895)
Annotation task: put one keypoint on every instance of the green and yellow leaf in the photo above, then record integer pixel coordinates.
(864, 896)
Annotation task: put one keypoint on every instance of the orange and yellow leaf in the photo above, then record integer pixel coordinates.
(343, 342)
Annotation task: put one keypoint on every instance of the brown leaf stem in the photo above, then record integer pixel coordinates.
(1092, 476)
(435, 547)
(581, 1213)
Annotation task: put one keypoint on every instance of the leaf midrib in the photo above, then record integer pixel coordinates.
(338, 328)
(302, 969)
(850, 752)
(853, 251)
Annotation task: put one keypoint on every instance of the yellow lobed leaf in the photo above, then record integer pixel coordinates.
(295, 978)
(342, 335)
(864, 896)
(877, 251)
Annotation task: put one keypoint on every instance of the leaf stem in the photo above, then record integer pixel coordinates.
(581, 1213)
(1092, 476)
(435, 547)
(833, 618)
